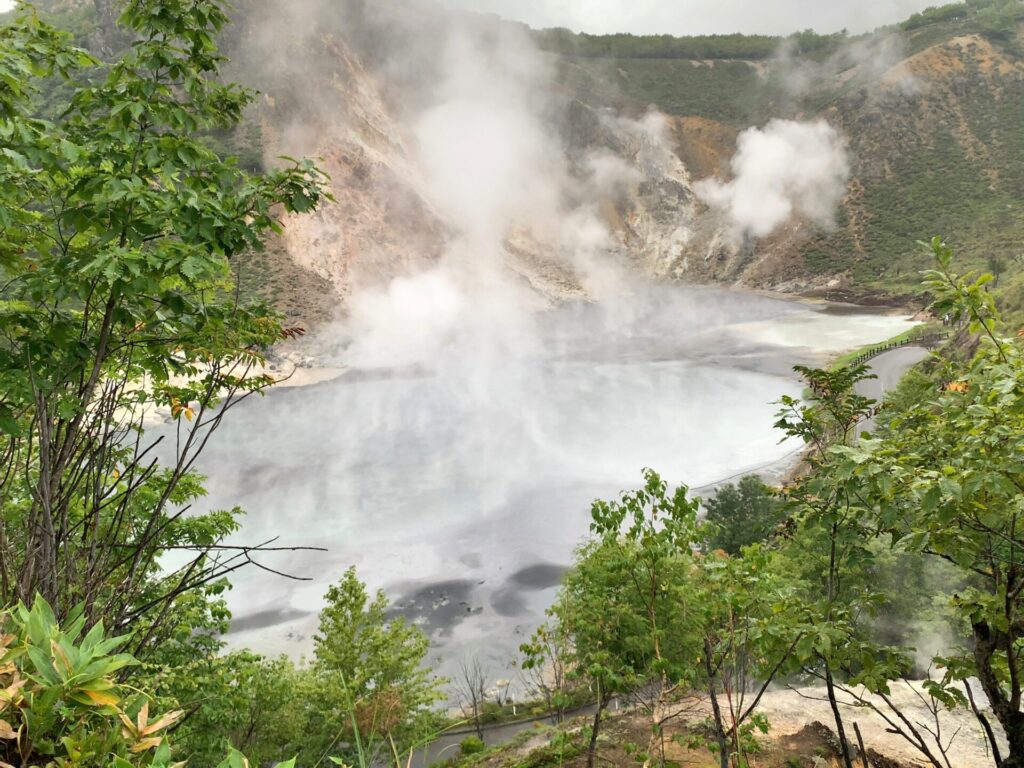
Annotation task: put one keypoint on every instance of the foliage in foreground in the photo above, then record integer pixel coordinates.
(644, 609)
(63, 699)
(119, 229)
(742, 514)
(366, 695)
(60, 699)
(119, 232)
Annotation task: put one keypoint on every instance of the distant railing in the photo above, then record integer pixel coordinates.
(926, 338)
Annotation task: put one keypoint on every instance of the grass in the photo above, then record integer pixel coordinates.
(507, 749)
(730, 92)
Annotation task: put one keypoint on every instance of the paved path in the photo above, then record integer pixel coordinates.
(889, 367)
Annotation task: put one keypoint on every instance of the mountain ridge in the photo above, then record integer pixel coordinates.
(931, 109)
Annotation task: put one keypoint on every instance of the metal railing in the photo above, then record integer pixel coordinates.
(926, 338)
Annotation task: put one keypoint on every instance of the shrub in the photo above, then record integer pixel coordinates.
(61, 702)
(742, 514)
(562, 749)
(471, 745)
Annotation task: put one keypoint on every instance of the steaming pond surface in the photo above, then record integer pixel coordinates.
(462, 488)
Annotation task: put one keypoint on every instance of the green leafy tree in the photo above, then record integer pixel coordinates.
(935, 15)
(642, 609)
(948, 481)
(596, 616)
(546, 661)
(119, 234)
(239, 699)
(365, 695)
(649, 536)
(747, 641)
(742, 514)
(860, 495)
(830, 553)
(625, 606)
(997, 19)
(368, 676)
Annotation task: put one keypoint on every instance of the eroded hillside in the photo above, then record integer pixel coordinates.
(931, 112)
(933, 117)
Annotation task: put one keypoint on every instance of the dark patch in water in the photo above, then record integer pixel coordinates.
(438, 607)
(471, 560)
(539, 576)
(508, 602)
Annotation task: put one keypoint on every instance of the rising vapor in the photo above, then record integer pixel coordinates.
(472, 428)
(496, 169)
(786, 168)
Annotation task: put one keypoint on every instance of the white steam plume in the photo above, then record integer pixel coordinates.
(505, 418)
(786, 168)
(871, 62)
(495, 166)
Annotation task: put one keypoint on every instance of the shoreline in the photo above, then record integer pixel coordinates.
(307, 372)
(704, 360)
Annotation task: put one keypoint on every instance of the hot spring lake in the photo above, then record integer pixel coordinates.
(462, 487)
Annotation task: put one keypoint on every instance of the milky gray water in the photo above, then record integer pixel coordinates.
(462, 486)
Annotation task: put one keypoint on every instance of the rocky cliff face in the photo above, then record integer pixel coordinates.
(931, 118)
(328, 93)
(379, 222)
(318, 100)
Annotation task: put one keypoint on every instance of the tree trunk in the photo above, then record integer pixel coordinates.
(656, 732)
(720, 736)
(476, 721)
(844, 743)
(1014, 729)
(987, 642)
(860, 745)
(592, 748)
(986, 726)
(1016, 740)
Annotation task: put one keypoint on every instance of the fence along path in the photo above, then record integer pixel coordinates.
(926, 338)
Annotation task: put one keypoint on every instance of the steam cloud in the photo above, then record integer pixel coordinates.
(494, 195)
(482, 455)
(496, 168)
(872, 61)
(786, 168)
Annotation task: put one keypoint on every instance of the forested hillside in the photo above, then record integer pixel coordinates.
(933, 110)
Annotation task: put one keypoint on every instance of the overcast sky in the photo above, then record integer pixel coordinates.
(697, 17)
(694, 17)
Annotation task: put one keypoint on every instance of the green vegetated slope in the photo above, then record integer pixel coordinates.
(933, 110)
(946, 161)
